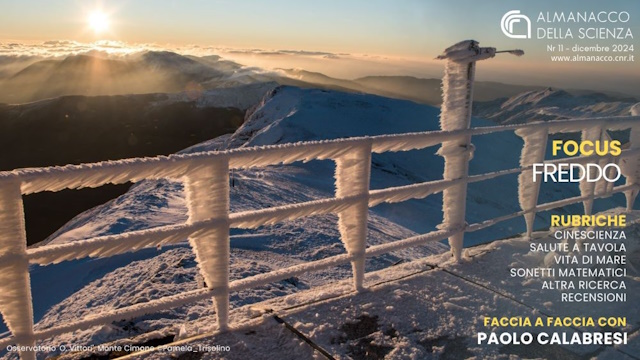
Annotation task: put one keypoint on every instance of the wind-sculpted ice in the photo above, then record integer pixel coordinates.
(457, 89)
(15, 287)
(353, 172)
(535, 146)
(207, 193)
(630, 166)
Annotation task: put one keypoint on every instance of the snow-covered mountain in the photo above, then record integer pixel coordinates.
(94, 74)
(84, 129)
(551, 104)
(287, 114)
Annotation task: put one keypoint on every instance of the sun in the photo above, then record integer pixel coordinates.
(98, 21)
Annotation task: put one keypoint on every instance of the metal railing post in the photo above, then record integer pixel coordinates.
(630, 168)
(207, 192)
(15, 286)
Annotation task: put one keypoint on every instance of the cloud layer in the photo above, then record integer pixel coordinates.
(342, 65)
(527, 71)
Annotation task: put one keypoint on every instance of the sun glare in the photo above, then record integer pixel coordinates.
(98, 21)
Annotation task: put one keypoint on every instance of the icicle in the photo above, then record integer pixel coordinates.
(15, 287)
(603, 187)
(535, 146)
(353, 171)
(200, 282)
(588, 188)
(630, 166)
(207, 190)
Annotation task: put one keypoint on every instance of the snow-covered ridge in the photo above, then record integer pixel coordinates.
(241, 97)
(551, 104)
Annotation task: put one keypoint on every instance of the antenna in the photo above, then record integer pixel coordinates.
(516, 52)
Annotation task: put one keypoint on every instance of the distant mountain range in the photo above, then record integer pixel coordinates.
(31, 79)
(150, 72)
(552, 104)
(424, 91)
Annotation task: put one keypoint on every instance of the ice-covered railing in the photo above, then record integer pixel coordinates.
(206, 179)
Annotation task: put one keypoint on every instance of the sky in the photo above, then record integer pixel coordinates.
(404, 35)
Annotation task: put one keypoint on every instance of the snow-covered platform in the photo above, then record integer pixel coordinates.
(429, 308)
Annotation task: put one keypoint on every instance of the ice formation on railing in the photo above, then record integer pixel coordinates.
(605, 187)
(535, 146)
(110, 245)
(15, 287)
(408, 192)
(600, 187)
(353, 171)
(630, 166)
(207, 191)
(593, 133)
(457, 89)
(270, 216)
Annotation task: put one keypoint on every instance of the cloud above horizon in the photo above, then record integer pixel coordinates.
(61, 48)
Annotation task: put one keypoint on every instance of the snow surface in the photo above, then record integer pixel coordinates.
(425, 309)
(240, 97)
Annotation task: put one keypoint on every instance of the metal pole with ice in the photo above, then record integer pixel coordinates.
(631, 165)
(457, 88)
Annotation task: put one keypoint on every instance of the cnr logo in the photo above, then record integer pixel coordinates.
(511, 17)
